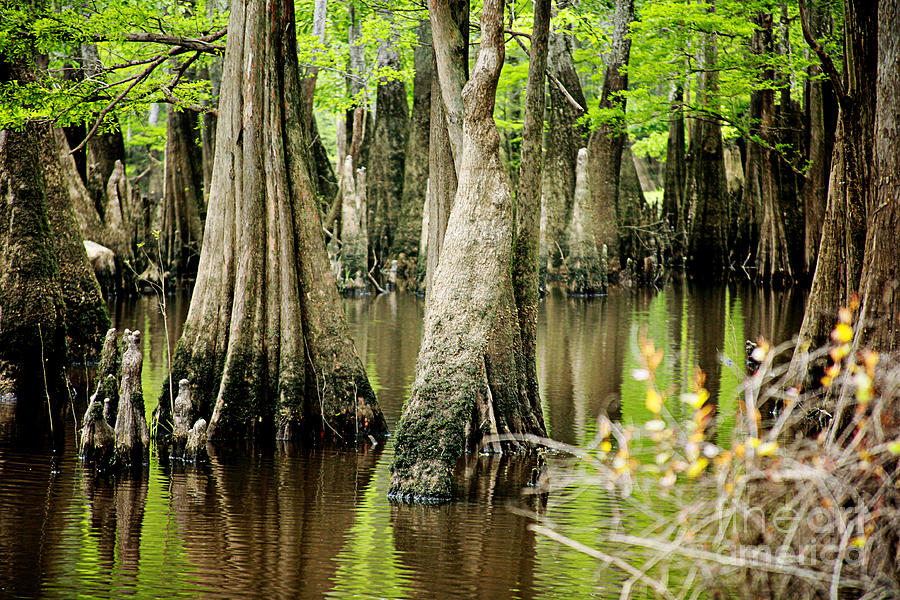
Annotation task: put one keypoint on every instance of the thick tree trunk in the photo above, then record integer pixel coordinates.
(183, 209)
(85, 312)
(385, 172)
(881, 274)
(32, 338)
(528, 203)
(674, 205)
(415, 176)
(706, 188)
(470, 380)
(764, 189)
(851, 187)
(265, 346)
(565, 135)
(607, 141)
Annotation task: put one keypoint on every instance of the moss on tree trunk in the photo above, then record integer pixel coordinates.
(265, 345)
(470, 379)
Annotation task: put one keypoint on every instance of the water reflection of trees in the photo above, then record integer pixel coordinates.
(581, 349)
(267, 525)
(475, 547)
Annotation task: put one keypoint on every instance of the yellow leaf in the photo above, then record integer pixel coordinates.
(767, 448)
(842, 333)
(859, 541)
(654, 401)
(697, 467)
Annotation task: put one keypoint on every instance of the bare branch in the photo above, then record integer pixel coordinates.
(203, 44)
(827, 64)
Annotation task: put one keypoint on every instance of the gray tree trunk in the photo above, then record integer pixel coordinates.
(386, 164)
(585, 265)
(265, 345)
(565, 135)
(415, 178)
(528, 203)
(608, 139)
(442, 160)
(183, 207)
(470, 380)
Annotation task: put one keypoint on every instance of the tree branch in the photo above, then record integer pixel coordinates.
(827, 64)
(550, 76)
(203, 44)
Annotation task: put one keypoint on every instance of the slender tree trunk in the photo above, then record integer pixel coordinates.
(631, 207)
(213, 72)
(449, 32)
(528, 203)
(881, 273)
(706, 188)
(415, 176)
(470, 379)
(565, 135)
(265, 345)
(607, 141)
(452, 37)
(819, 146)
(674, 205)
(183, 208)
(386, 165)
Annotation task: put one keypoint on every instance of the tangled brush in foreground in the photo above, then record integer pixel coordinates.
(803, 505)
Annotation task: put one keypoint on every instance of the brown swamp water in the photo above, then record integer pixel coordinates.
(293, 522)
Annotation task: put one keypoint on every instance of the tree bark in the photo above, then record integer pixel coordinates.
(706, 188)
(183, 209)
(105, 148)
(449, 32)
(819, 146)
(881, 274)
(470, 380)
(442, 161)
(851, 186)
(586, 267)
(265, 345)
(674, 205)
(763, 186)
(565, 135)
(386, 165)
(32, 338)
(528, 203)
(608, 139)
(85, 313)
(213, 72)
(415, 176)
